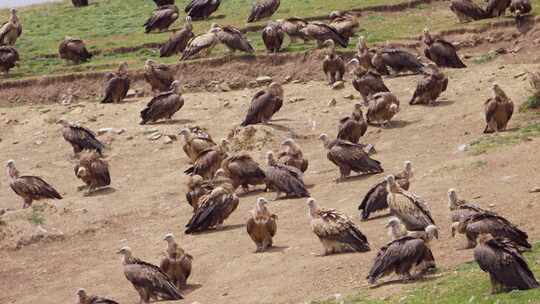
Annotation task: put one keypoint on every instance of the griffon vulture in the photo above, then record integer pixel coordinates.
(233, 39)
(382, 107)
(520, 8)
(467, 10)
(195, 144)
(93, 171)
(333, 64)
(243, 171)
(117, 85)
(498, 110)
(264, 105)
(8, 58)
(79, 3)
(206, 42)
(460, 210)
(80, 138)
(159, 76)
(201, 9)
(442, 52)
(363, 54)
(292, 27)
(177, 263)
(321, 32)
(162, 17)
(346, 24)
(74, 49)
(497, 8)
(366, 82)
(430, 87)
(11, 30)
(263, 9)
(397, 60)
(163, 2)
(178, 41)
(197, 187)
(261, 225)
(397, 230)
(284, 179)
(164, 105)
(209, 161)
(84, 298)
(291, 155)
(352, 127)
(273, 36)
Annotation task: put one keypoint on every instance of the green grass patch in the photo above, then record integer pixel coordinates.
(485, 58)
(493, 141)
(37, 217)
(533, 102)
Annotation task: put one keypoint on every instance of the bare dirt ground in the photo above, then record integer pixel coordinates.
(148, 201)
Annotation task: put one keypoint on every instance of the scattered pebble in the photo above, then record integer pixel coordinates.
(288, 78)
(155, 136)
(338, 85)
(296, 81)
(350, 96)
(332, 102)
(463, 148)
(534, 190)
(263, 80)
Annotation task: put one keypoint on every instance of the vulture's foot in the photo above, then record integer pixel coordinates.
(81, 188)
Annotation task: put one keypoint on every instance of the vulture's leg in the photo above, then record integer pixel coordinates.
(81, 188)
(27, 203)
(495, 286)
(454, 228)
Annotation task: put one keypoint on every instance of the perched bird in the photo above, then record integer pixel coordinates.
(291, 155)
(147, 279)
(178, 41)
(363, 54)
(263, 9)
(345, 23)
(163, 2)
(352, 127)
(159, 76)
(498, 110)
(164, 105)
(336, 231)
(264, 105)
(376, 199)
(162, 17)
(442, 52)
(366, 82)
(209, 161)
(508, 269)
(11, 30)
(398, 60)
(29, 188)
(284, 179)
(84, 298)
(333, 64)
(467, 10)
(397, 230)
(460, 210)
(430, 87)
(321, 32)
(273, 36)
(79, 3)
(93, 171)
(292, 27)
(519, 8)
(206, 42)
(233, 39)
(195, 144)
(201, 9)
(197, 187)
(243, 171)
(261, 225)
(177, 263)
(349, 157)
(117, 85)
(80, 138)
(382, 107)
(8, 59)
(74, 49)
(497, 8)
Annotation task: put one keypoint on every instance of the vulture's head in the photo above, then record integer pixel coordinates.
(312, 205)
(260, 206)
(395, 228)
(432, 232)
(358, 107)
(393, 109)
(324, 138)
(10, 164)
(276, 89)
(11, 171)
(185, 133)
(149, 64)
(81, 293)
(408, 169)
(169, 237)
(270, 158)
(330, 44)
(123, 68)
(81, 172)
(13, 11)
(63, 123)
(290, 143)
(433, 68)
(392, 185)
(393, 222)
(175, 87)
(214, 28)
(361, 43)
(195, 180)
(220, 173)
(452, 199)
(499, 93)
(125, 252)
(335, 14)
(356, 68)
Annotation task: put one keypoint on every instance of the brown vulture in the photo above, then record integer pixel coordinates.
(197, 187)
(177, 263)
(206, 42)
(363, 54)
(29, 188)
(264, 105)
(8, 58)
(376, 199)
(117, 85)
(164, 105)
(261, 225)
(430, 87)
(159, 76)
(467, 10)
(508, 269)
(178, 41)
(284, 179)
(162, 17)
(74, 50)
(164, 2)
(442, 52)
(292, 27)
(336, 231)
(498, 111)
(149, 280)
(291, 155)
(382, 107)
(497, 8)
(80, 138)
(195, 144)
(411, 209)
(461, 210)
(321, 32)
(273, 36)
(397, 60)
(233, 39)
(243, 171)
(366, 82)
(11, 30)
(201, 9)
(79, 3)
(263, 9)
(209, 161)
(84, 298)
(349, 157)
(345, 23)
(520, 8)
(93, 171)
(352, 127)
(333, 64)
(397, 230)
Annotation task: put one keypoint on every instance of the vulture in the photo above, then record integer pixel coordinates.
(209, 161)
(206, 41)
(178, 41)
(164, 105)
(346, 24)
(214, 208)
(284, 179)
(333, 64)
(79, 3)
(264, 105)
(80, 138)
(349, 157)
(148, 279)
(497, 8)
(263, 9)
(366, 81)
(117, 85)
(11, 30)
(233, 39)
(382, 107)
(202, 9)
(400, 256)
(498, 111)
(195, 144)
(8, 58)
(29, 188)
(397, 230)
(159, 76)
(406, 206)
(336, 231)
(376, 199)
(273, 36)
(197, 188)
(261, 225)
(352, 127)
(93, 171)
(176, 263)
(292, 27)
(442, 52)
(398, 60)
(467, 10)
(164, 2)
(430, 87)
(520, 8)
(292, 155)
(321, 32)
(162, 17)
(243, 171)
(74, 50)
(84, 298)
(363, 54)
(461, 210)
(508, 269)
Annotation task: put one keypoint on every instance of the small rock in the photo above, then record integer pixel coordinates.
(155, 136)
(288, 78)
(227, 104)
(92, 118)
(119, 131)
(129, 138)
(296, 99)
(534, 190)
(463, 148)
(296, 81)
(38, 142)
(350, 96)
(252, 84)
(225, 87)
(131, 93)
(332, 102)
(325, 111)
(491, 205)
(43, 111)
(15, 142)
(338, 85)
(167, 140)
(150, 131)
(104, 130)
(263, 80)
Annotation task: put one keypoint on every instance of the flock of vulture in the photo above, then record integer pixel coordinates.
(216, 174)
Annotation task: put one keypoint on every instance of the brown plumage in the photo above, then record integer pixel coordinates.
(397, 60)
(197, 187)
(430, 86)
(93, 171)
(195, 144)
(333, 64)
(366, 82)
(163, 2)
(349, 157)
(520, 8)
(336, 231)
(322, 32)
(162, 17)
(159, 76)
(233, 39)
(284, 179)
(291, 155)
(273, 36)
(11, 30)
(352, 127)
(363, 54)
(497, 8)
(79, 3)
(203, 42)
(345, 23)
(209, 161)
(84, 298)
(243, 171)
(149, 280)
(264, 105)
(382, 107)
(74, 50)
(261, 225)
(442, 52)
(498, 111)
(467, 10)
(397, 230)
(29, 188)
(461, 210)
(263, 9)
(8, 58)
(164, 105)
(80, 138)
(178, 41)
(117, 85)
(176, 263)
(202, 9)
(292, 27)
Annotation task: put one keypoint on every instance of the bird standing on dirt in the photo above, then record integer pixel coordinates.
(264, 105)
(284, 179)
(162, 18)
(333, 64)
(178, 41)
(11, 30)
(243, 171)
(159, 76)
(195, 144)
(74, 50)
(273, 36)
(233, 39)
(442, 52)
(84, 298)
(209, 161)
(164, 105)
(498, 111)
(352, 127)
(177, 263)
(117, 85)
(382, 107)
(461, 210)
(80, 138)
(202, 9)
(263, 9)
(9, 56)
(261, 225)
(397, 60)
(291, 155)
(93, 171)
(430, 87)
(203, 42)
(366, 81)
